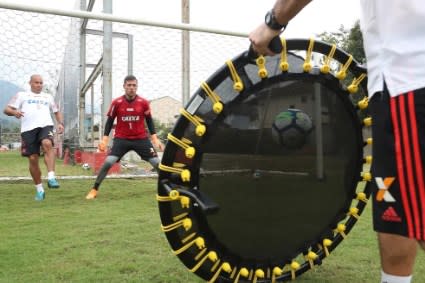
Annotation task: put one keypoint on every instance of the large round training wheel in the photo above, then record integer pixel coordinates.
(266, 170)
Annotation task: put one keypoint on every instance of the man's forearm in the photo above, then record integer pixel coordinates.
(285, 10)
(59, 118)
(108, 126)
(9, 111)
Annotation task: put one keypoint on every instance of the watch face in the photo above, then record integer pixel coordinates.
(271, 21)
(268, 18)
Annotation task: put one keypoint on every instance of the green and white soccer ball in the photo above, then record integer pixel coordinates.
(291, 128)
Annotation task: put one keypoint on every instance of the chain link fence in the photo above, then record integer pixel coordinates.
(67, 52)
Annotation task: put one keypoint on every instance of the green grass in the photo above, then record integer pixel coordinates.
(117, 237)
(13, 164)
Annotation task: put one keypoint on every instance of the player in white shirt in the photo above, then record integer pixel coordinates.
(34, 109)
(394, 43)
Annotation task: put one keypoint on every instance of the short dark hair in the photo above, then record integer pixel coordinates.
(130, 78)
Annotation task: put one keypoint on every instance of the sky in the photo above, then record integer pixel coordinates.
(236, 15)
(231, 15)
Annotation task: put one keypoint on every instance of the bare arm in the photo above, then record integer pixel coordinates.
(284, 11)
(156, 142)
(59, 120)
(154, 138)
(11, 111)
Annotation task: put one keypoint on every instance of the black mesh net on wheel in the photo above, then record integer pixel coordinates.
(266, 169)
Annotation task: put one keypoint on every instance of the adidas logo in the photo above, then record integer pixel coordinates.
(391, 215)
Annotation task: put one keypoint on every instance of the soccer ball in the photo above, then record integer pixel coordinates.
(291, 128)
(86, 166)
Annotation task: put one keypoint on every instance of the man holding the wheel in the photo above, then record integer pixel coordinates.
(394, 42)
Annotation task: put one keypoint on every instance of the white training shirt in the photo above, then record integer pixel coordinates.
(36, 109)
(394, 42)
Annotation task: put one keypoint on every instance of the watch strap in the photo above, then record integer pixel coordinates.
(271, 21)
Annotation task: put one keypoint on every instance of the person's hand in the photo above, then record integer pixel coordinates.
(260, 39)
(18, 114)
(60, 128)
(157, 143)
(103, 144)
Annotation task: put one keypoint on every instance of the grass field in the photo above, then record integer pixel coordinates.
(117, 237)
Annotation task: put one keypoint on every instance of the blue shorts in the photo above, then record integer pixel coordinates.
(31, 140)
(398, 190)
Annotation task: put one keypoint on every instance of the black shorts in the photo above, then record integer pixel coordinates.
(142, 147)
(31, 140)
(398, 131)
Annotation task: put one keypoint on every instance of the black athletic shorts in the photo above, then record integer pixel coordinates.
(142, 147)
(398, 131)
(31, 140)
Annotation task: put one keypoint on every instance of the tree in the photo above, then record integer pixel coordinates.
(349, 40)
(338, 37)
(354, 44)
(162, 130)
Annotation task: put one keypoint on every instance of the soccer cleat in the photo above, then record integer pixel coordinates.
(52, 183)
(92, 194)
(39, 196)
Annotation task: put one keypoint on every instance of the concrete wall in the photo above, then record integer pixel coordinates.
(165, 109)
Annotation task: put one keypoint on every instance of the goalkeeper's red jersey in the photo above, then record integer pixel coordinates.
(130, 117)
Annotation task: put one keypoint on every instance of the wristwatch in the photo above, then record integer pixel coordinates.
(271, 21)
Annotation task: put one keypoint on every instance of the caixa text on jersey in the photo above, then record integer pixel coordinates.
(130, 118)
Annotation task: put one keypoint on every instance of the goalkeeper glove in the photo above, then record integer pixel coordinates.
(103, 144)
(156, 142)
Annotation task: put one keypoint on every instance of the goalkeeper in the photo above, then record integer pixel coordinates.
(131, 112)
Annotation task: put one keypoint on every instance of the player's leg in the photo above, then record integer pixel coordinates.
(46, 137)
(34, 168)
(119, 148)
(35, 172)
(107, 164)
(398, 254)
(395, 132)
(154, 161)
(147, 152)
(31, 149)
